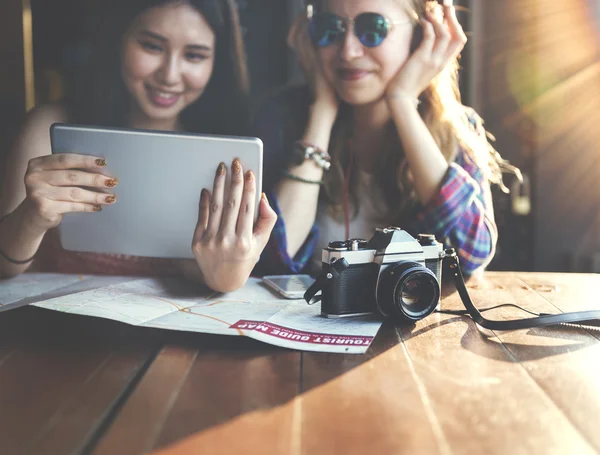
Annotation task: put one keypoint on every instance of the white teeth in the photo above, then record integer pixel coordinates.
(164, 95)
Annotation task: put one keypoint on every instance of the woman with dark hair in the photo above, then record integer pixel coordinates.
(158, 64)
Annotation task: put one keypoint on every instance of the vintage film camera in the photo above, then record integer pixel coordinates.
(392, 274)
(397, 276)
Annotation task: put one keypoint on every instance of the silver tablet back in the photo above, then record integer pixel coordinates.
(161, 175)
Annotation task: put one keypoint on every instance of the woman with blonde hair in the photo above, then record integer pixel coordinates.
(379, 137)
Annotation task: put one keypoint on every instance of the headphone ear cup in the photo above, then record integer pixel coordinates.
(417, 38)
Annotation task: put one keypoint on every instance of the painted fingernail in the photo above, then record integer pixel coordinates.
(100, 163)
(249, 177)
(264, 196)
(111, 199)
(236, 167)
(97, 208)
(221, 170)
(111, 183)
(447, 2)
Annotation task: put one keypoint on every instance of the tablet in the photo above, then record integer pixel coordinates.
(161, 175)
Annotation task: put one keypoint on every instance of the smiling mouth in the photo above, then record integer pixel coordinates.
(347, 74)
(161, 98)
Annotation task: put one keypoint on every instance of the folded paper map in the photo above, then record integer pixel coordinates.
(174, 304)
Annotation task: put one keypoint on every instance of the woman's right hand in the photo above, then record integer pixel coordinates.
(299, 41)
(63, 183)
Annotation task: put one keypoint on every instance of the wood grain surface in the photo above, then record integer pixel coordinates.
(79, 385)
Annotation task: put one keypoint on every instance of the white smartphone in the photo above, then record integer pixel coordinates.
(289, 286)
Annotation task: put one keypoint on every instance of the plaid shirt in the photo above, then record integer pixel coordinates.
(460, 214)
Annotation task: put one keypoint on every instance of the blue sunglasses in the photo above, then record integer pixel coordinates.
(371, 29)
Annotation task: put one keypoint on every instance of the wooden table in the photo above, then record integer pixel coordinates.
(72, 384)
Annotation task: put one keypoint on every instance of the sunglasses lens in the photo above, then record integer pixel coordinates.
(325, 29)
(371, 29)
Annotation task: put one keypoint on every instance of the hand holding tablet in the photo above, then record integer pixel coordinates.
(60, 184)
(153, 188)
(227, 244)
(160, 178)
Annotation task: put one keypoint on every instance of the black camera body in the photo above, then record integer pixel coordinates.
(393, 274)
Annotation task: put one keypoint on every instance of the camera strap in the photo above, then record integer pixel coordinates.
(579, 317)
(451, 259)
(336, 269)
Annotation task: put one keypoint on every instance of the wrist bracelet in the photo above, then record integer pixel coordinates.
(15, 261)
(304, 151)
(12, 260)
(315, 149)
(303, 180)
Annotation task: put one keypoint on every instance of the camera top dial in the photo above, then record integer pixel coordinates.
(348, 245)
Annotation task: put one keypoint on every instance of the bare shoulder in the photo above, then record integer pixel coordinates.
(34, 139)
(51, 112)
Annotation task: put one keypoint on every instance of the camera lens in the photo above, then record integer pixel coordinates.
(416, 294)
(407, 291)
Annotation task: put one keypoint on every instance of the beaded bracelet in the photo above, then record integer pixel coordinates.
(303, 180)
(303, 151)
(12, 260)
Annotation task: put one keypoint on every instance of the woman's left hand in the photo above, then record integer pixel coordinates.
(442, 42)
(227, 244)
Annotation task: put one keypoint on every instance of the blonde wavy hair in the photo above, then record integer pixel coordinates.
(451, 124)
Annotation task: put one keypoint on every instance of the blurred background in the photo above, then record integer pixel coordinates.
(531, 69)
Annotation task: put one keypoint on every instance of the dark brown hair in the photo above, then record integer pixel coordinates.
(101, 97)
